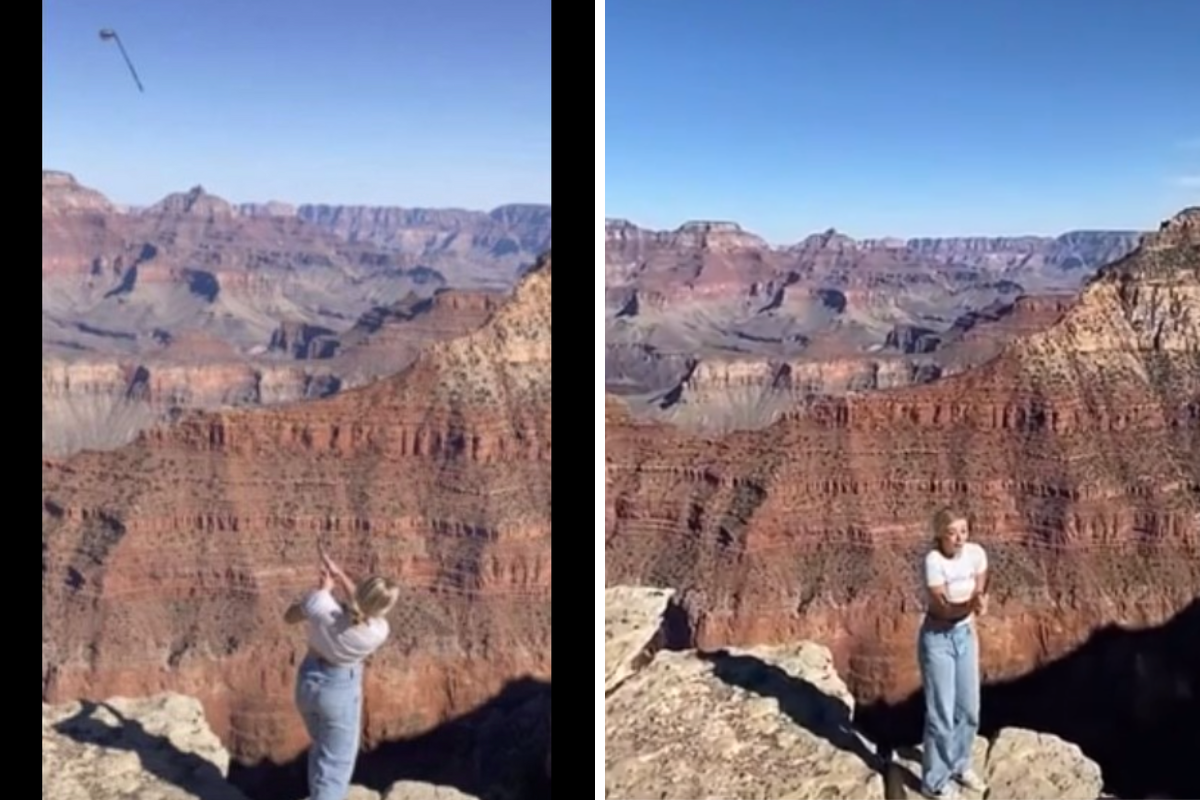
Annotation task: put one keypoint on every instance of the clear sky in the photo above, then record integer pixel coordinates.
(397, 102)
(902, 117)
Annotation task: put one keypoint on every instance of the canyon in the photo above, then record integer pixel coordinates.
(1074, 444)
(710, 327)
(195, 303)
(167, 561)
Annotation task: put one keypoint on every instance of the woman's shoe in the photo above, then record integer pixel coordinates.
(971, 781)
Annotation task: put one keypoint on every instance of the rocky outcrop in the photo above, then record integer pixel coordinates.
(911, 339)
(192, 540)
(76, 236)
(777, 722)
(304, 342)
(158, 748)
(633, 630)
(1077, 449)
(388, 338)
(194, 202)
(411, 790)
(63, 195)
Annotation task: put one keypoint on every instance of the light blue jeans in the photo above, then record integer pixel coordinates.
(950, 675)
(330, 701)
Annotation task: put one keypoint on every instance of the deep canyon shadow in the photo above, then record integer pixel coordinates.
(1129, 699)
(496, 752)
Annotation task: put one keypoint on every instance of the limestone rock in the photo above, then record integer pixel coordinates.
(362, 793)
(775, 722)
(411, 790)
(160, 748)
(1021, 764)
(757, 725)
(1027, 764)
(631, 627)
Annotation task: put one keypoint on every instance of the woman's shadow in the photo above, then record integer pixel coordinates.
(158, 756)
(812, 709)
(816, 711)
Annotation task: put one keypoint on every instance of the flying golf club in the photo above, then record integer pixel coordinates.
(109, 35)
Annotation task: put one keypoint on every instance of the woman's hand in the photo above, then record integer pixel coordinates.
(980, 605)
(334, 571)
(327, 582)
(328, 563)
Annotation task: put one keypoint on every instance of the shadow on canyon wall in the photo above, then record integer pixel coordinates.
(1129, 699)
(496, 752)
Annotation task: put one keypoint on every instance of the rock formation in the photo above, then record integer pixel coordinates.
(194, 285)
(702, 250)
(848, 315)
(471, 248)
(156, 748)
(774, 722)
(634, 630)
(166, 564)
(388, 338)
(103, 403)
(1077, 450)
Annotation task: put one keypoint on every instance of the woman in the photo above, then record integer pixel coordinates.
(948, 651)
(329, 684)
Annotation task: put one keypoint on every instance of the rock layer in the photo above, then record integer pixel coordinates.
(166, 565)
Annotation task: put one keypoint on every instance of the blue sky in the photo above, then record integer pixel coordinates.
(398, 102)
(902, 117)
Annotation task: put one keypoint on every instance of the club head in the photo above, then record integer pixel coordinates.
(107, 33)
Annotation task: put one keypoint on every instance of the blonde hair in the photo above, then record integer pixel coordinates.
(373, 598)
(945, 517)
